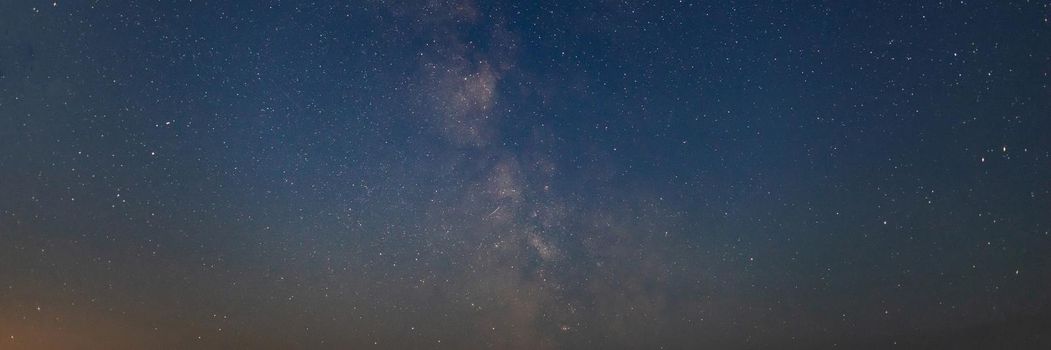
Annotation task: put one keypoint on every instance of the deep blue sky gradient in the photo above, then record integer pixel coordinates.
(552, 175)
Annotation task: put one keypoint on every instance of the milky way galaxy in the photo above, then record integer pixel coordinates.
(496, 175)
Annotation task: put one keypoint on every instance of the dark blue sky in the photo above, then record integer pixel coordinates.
(552, 175)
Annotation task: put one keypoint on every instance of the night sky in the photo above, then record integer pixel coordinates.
(535, 175)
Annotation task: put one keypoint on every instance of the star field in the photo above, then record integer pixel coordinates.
(501, 175)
